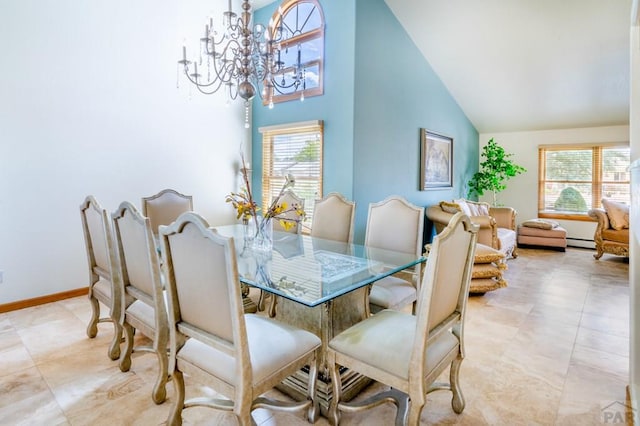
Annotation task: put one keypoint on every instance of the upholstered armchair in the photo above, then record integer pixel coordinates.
(497, 224)
(607, 238)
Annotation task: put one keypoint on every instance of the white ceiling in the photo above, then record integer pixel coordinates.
(515, 65)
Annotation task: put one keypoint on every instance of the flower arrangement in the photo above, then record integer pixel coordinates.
(247, 208)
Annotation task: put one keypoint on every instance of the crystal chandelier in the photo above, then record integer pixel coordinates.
(242, 59)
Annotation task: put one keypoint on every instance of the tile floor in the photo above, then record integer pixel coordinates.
(550, 349)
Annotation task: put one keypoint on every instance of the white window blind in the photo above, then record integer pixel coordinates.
(293, 149)
(574, 178)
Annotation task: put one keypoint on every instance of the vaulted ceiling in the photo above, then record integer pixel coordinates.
(517, 65)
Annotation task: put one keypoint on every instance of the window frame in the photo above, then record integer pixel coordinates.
(272, 95)
(268, 135)
(596, 181)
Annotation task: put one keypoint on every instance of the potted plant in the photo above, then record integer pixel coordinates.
(494, 171)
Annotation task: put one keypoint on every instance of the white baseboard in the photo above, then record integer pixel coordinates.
(578, 242)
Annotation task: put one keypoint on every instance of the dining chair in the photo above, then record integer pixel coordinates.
(291, 199)
(143, 302)
(165, 206)
(409, 352)
(104, 271)
(333, 218)
(240, 356)
(395, 224)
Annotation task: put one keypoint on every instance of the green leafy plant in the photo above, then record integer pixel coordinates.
(494, 171)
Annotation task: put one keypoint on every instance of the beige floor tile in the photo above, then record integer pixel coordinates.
(551, 348)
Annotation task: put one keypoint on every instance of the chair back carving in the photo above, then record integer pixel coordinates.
(418, 348)
(140, 265)
(447, 276)
(143, 298)
(395, 224)
(165, 207)
(202, 281)
(333, 218)
(104, 271)
(211, 337)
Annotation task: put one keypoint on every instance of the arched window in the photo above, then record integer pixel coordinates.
(299, 27)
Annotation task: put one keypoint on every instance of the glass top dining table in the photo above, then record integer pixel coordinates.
(311, 270)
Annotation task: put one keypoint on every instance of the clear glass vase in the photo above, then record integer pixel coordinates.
(263, 241)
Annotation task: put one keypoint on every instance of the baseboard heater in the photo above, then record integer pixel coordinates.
(581, 243)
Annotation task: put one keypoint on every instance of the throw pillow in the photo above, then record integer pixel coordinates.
(450, 207)
(486, 270)
(478, 208)
(486, 254)
(540, 223)
(618, 213)
(464, 207)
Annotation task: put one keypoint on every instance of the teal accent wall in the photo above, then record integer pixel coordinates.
(379, 90)
(335, 106)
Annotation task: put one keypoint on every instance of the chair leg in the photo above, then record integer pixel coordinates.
(415, 410)
(334, 412)
(92, 327)
(272, 306)
(599, 252)
(457, 400)
(313, 412)
(159, 394)
(175, 415)
(114, 347)
(261, 300)
(125, 356)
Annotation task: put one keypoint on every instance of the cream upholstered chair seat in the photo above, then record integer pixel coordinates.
(393, 354)
(392, 292)
(240, 356)
(272, 349)
(143, 295)
(395, 224)
(105, 284)
(409, 352)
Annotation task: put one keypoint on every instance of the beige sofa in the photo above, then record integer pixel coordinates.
(497, 224)
(608, 239)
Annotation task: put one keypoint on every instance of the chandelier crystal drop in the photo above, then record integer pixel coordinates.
(243, 60)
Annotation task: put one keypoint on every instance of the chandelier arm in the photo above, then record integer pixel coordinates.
(208, 88)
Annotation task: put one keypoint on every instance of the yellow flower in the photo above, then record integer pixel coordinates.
(246, 208)
(287, 224)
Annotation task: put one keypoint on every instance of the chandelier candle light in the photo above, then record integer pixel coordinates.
(243, 59)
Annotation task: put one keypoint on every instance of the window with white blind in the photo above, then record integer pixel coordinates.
(574, 178)
(293, 149)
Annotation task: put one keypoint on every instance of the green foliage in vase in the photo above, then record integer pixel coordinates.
(495, 169)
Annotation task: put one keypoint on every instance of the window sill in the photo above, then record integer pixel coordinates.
(580, 217)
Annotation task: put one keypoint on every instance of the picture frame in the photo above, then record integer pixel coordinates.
(436, 161)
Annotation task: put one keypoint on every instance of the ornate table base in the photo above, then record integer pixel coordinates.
(325, 321)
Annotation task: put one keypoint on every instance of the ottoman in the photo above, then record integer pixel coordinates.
(542, 233)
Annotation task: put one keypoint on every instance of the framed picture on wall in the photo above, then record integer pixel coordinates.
(436, 161)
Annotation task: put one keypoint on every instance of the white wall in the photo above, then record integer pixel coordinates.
(522, 190)
(89, 105)
(634, 262)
